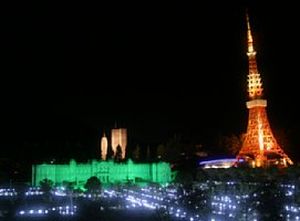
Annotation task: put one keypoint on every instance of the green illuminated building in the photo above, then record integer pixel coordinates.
(108, 172)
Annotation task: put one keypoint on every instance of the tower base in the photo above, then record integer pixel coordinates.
(262, 162)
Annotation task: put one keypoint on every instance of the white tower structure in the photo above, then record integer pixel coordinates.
(104, 146)
(119, 137)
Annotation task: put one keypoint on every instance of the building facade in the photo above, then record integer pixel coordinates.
(108, 172)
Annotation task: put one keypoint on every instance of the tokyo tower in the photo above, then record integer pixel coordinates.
(259, 148)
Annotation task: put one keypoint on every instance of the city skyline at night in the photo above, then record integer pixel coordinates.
(182, 111)
(155, 70)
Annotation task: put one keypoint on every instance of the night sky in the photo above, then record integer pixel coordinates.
(71, 71)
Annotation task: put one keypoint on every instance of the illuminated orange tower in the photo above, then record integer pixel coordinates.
(260, 147)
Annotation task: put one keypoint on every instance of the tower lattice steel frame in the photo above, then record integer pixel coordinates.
(260, 147)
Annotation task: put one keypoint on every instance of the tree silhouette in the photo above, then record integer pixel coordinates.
(230, 144)
(148, 154)
(93, 185)
(174, 148)
(110, 152)
(161, 152)
(136, 152)
(118, 156)
(46, 186)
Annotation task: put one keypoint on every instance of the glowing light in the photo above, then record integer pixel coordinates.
(219, 163)
(284, 162)
(119, 138)
(254, 84)
(106, 171)
(260, 135)
(254, 81)
(104, 146)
